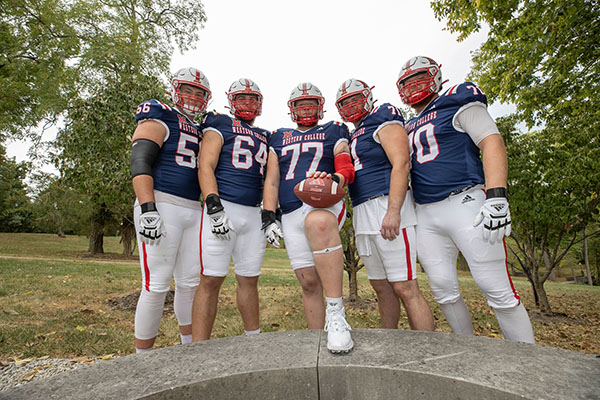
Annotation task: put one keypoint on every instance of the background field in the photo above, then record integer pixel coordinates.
(56, 301)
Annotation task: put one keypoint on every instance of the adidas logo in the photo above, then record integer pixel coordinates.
(467, 199)
(498, 207)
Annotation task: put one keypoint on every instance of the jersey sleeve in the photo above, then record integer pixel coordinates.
(466, 93)
(152, 109)
(384, 115)
(275, 142)
(342, 133)
(216, 122)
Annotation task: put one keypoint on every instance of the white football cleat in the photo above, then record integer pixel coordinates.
(338, 330)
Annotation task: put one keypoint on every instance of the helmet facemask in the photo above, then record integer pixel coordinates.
(418, 90)
(306, 114)
(186, 98)
(358, 108)
(249, 107)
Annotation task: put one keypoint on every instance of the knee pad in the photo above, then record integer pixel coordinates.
(182, 304)
(148, 314)
(327, 250)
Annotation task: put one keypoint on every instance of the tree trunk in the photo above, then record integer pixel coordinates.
(353, 289)
(586, 259)
(97, 237)
(128, 236)
(544, 305)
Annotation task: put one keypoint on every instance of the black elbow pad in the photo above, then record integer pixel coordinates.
(144, 153)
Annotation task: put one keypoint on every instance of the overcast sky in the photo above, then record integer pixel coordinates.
(279, 44)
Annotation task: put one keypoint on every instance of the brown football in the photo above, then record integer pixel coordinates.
(319, 192)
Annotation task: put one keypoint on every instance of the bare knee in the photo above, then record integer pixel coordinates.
(407, 290)
(309, 281)
(211, 284)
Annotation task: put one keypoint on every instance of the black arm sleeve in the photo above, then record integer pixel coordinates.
(143, 155)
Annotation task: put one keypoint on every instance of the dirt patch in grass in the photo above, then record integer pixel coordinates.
(106, 256)
(129, 302)
(538, 316)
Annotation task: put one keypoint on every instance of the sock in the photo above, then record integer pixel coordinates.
(334, 302)
(254, 332)
(458, 317)
(138, 351)
(514, 323)
(185, 339)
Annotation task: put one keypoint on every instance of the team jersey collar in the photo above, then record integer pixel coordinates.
(429, 107)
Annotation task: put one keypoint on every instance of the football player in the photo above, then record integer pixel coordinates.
(384, 217)
(231, 168)
(462, 202)
(167, 209)
(311, 235)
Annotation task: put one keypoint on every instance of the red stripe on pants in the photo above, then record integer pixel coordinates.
(407, 248)
(341, 214)
(146, 269)
(507, 274)
(200, 239)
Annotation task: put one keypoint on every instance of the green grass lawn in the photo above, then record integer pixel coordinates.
(57, 301)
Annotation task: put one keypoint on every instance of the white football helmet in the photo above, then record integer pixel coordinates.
(358, 109)
(190, 104)
(410, 92)
(246, 110)
(306, 91)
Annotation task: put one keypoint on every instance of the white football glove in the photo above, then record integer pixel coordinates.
(151, 224)
(271, 228)
(495, 216)
(220, 224)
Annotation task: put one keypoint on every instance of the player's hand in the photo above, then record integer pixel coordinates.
(318, 174)
(151, 224)
(390, 226)
(220, 225)
(271, 227)
(495, 216)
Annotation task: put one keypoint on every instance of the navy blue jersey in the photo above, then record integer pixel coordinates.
(443, 159)
(373, 169)
(241, 166)
(176, 168)
(302, 152)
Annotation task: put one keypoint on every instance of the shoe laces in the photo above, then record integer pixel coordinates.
(335, 321)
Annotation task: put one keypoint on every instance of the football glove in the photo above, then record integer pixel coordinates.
(495, 216)
(270, 227)
(151, 224)
(220, 224)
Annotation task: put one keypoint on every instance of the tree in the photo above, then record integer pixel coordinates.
(37, 40)
(551, 200)
(15, 212)
(352, 262)
(58, 208)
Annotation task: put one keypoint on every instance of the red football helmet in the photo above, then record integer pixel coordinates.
(358, 109)
(246, 110)
(305, 91)
(189, 103)
(418, 90)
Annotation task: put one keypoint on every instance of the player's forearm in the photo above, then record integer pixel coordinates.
(495, 164)
(398, 187)
(207, 180)
(270, 197)
(143, 186)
